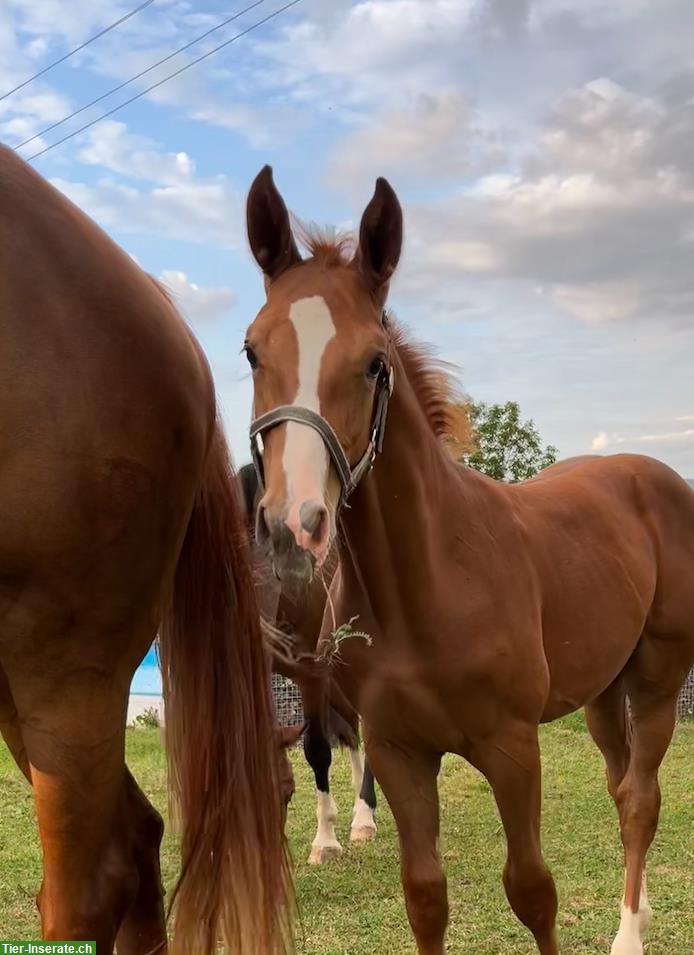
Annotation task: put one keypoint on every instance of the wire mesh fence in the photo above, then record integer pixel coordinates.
(287, 701)
(686, 700)
(290, 710)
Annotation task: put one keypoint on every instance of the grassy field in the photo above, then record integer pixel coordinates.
(354, 906)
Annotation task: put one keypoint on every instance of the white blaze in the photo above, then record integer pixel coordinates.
(305, 459)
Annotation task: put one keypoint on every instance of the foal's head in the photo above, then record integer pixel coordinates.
(319, 343)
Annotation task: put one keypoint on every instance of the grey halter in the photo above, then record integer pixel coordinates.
(349, 476)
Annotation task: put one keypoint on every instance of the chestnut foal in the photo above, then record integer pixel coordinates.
(299, 617)
(492, 607)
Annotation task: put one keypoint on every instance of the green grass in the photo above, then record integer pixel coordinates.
(354, 906)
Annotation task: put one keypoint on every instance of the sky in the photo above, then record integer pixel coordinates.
(541, 149)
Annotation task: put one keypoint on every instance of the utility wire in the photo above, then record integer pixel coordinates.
(253, 26)
(111, 26)
(138, 76)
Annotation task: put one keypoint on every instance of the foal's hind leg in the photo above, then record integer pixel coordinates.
(319, 757)
(608, 723)
(652, 682)
(143, 930)
(511, 763)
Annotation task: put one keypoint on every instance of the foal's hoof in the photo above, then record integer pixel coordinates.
(363, 833)
(321, 854)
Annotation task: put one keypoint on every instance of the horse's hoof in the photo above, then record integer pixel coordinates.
(321, 854)
(363, 833)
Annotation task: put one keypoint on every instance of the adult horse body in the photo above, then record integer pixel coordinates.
(117, 516)
(492, 608)
(299, 618)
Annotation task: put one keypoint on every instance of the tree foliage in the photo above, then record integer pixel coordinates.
(506, 448)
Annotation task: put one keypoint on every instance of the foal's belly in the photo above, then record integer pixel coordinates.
(584, 662)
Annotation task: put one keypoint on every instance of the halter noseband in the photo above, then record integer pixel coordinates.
(349, 476)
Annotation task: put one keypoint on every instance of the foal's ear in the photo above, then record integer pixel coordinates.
(269, 232)
(380, 240)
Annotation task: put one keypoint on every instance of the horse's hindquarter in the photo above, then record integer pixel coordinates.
(612, 543)
(105, 411)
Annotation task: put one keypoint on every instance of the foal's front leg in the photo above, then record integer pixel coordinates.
(511, 762)
(408, 781)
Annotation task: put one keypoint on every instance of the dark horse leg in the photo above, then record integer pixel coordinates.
(319, 757)
(363, 816)
(511, 763)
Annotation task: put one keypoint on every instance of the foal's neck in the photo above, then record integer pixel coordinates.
(398, 530)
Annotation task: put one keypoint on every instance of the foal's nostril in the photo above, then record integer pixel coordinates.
(262, 525)
(314, 517)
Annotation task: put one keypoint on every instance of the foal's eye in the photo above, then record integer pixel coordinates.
(376, 367)
(251, 357)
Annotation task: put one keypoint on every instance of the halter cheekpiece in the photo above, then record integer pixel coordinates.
(349, 476)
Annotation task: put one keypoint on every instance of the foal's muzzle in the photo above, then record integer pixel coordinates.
(291, 564)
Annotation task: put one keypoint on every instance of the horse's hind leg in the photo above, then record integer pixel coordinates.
(363, 816)
(319, 757)
(73, 728)
(653, 681)
(143, 930)
(10, 728)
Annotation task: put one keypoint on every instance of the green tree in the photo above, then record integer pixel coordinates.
(507, 448)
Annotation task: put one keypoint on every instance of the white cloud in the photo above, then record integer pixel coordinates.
(600, 441)
(194, 211)
(198, 305)
(436, 135)
(598, 220)
(683, 435)
(165, 196)
(111, 146)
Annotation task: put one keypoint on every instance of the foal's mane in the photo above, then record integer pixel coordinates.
(434, 381)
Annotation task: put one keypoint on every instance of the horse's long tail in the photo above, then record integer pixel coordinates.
(235, 881)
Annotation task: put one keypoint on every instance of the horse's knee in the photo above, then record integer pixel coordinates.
(532, 895)
(426, 897)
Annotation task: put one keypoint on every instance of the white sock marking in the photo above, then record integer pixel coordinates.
(326, 814)
(633, 926)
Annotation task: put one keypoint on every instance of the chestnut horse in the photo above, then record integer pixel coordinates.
(299, 617)
(118, 520)
(492, 607)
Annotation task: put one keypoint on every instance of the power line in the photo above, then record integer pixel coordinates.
(111, 26)
(139, 75)
(253, 26)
